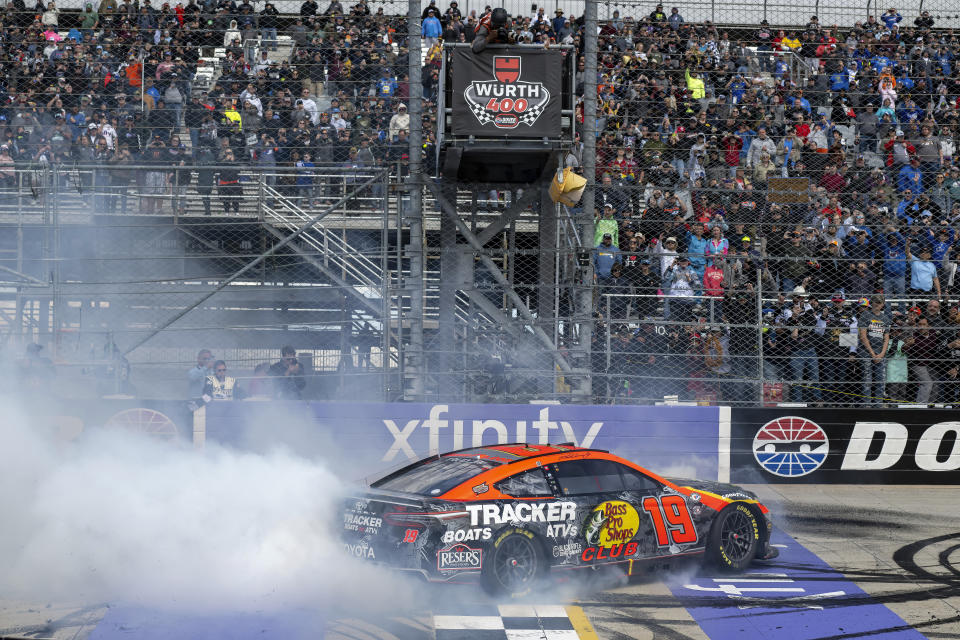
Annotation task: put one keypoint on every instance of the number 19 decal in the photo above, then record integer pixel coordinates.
(669, 513)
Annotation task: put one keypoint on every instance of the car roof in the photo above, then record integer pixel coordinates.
(515, 451)
(526, 457)
(498, 454)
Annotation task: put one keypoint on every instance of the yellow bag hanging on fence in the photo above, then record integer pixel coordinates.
(567, 187)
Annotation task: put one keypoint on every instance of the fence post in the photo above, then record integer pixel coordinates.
(760, 377)
(607, 296)
(415, 365)
(260, 195)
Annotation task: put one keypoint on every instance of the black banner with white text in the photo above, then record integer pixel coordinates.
(506, 92)
(845, 446)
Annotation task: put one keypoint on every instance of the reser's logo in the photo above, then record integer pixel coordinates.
(459, 557)
(506, 101)
(791, 446)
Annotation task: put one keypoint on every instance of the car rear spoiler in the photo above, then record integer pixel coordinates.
(397, 498)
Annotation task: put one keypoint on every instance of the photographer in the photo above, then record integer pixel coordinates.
(288, 378)
(492, 30)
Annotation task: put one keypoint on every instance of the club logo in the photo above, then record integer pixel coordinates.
(506, 101)
(459, 557)
(791, 447)
(611, 523)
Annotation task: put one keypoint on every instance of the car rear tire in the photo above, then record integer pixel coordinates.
(516, 562)
(734, 538)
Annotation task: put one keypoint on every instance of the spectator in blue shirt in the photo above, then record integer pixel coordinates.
(558, 21)
(940, 242)
(945, 58)
(604, 257)
(780, 68)
(840, 81)
(738, 88)
(905, 83)
(923, 272)
(890, 18)
(386, 85)
(880, 62)
(675, 19)
(798, 101)
(746, 137)
(910, 177)
(908, 111)
(892, 249)
(431, 29)
(77, 121)
(909, 208)
(696, 249)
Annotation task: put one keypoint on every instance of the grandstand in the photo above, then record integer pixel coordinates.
(220, 175)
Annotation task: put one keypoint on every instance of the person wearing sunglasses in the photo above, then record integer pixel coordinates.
(220, 386)
(217, 386)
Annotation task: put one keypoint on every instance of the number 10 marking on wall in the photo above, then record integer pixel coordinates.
(670, 513)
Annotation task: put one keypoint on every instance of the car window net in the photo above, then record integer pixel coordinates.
(529, 484)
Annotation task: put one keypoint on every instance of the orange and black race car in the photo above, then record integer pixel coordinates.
(509, 514)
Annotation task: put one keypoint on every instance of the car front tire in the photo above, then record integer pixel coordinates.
(734, 538)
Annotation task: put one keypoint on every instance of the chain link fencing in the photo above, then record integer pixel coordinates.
(126, 298)
(151, 276)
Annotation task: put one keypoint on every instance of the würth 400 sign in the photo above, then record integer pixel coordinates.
(506, 101)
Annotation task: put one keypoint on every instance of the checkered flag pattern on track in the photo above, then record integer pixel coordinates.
(504, 622)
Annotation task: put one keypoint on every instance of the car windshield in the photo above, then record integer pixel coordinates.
(436, 476)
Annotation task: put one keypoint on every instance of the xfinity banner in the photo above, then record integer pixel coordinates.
(846, 446)
(678, 441)
(508, 91)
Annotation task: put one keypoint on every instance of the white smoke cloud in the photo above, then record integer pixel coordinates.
(116, 517)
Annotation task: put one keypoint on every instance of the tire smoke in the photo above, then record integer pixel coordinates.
(117, 517)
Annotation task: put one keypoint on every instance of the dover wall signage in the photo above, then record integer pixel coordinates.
(512, 92)
(854, 446)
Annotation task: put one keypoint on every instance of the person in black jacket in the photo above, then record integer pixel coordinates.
(193, 117)
(205, 160)
(269, 21)
(180, 178)
(832, 274)
(228, 184)
(308, 9)
(493, 29)
(287, 374)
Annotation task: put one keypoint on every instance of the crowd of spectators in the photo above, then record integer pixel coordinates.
(762, 193)
(697, 123)
(113, 87)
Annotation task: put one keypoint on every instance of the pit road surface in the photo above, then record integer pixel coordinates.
(898, 546)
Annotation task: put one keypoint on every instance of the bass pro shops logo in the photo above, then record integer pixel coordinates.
(791, 447)
(506, 101)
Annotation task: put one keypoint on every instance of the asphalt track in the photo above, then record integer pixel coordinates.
(856, 562)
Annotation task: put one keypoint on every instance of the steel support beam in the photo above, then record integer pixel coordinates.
(254, 263)
(414, 369)
(583, 290)
(530, 196)
(547, 282)
(449, 210)
(450, 278)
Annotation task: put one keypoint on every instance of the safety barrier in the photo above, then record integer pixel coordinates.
(739, 445)
(775, 445)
